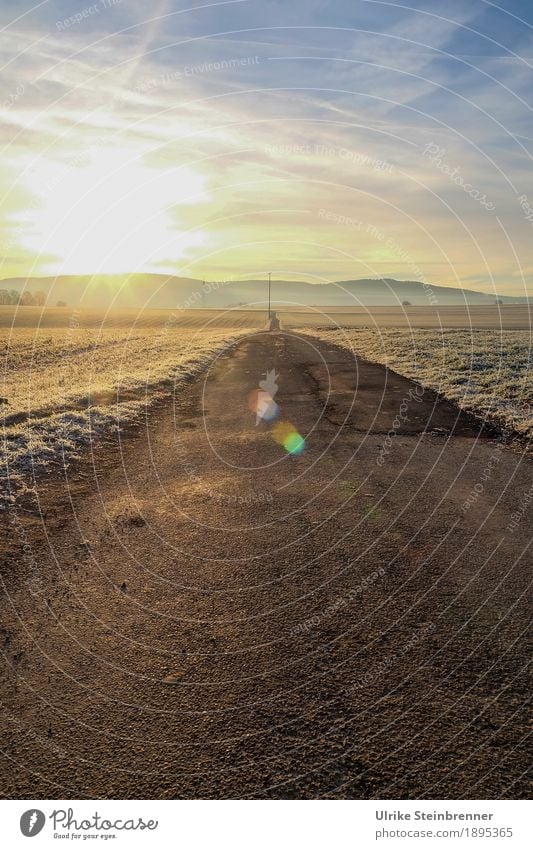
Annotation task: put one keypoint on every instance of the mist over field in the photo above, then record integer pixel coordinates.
(167, 292)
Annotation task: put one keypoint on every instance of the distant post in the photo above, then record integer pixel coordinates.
(273, 321)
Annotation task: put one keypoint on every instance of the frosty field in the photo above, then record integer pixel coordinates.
(69, 377)
(489, 372)
(63, 386)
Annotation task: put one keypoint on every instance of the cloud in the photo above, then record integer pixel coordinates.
(274, 112)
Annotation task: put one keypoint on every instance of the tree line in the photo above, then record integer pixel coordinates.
(24, 299)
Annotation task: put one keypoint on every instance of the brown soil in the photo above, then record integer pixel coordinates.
(198, 613)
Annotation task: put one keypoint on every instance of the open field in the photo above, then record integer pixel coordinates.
(70, 376)
(61, 387)
(127, 320)
(505, 317)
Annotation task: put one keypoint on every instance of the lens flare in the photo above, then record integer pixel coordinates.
(263, 405)
(294, 443)
(285, 434)
(281, 431)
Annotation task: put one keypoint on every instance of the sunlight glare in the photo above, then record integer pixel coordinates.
(113, 213)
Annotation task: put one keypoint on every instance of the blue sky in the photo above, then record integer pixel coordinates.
(314, 139)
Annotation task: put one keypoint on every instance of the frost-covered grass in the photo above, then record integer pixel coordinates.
(61, 388)
(489, 372)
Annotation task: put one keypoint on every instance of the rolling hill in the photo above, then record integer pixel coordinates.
(164, 291)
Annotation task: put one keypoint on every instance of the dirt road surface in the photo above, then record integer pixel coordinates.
(201, 613)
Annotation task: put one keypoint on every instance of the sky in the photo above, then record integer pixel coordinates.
(315, 140)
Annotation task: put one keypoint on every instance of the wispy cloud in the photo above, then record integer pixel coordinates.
(222, 131)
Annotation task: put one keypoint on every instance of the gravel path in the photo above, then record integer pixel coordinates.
(201, 613)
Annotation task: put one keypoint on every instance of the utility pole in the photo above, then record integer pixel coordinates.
(269, 286)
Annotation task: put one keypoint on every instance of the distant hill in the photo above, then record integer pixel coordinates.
(164, 291)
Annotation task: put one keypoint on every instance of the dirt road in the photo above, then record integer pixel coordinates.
(201, 613)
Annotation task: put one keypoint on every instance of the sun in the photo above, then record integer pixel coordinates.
(109, 212)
